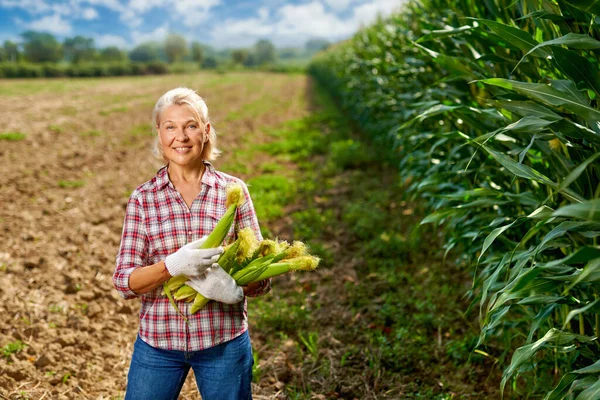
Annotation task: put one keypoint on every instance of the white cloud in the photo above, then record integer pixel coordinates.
(157, 35)
(32, 6)
(194, 13)
(89, 14)
(339, 5)
(111, 40)
(52, 23)
(365, 14)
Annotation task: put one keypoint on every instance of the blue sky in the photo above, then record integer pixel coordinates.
(220, 23)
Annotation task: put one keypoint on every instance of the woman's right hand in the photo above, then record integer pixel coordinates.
(190, 260)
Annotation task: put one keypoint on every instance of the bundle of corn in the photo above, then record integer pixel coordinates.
(246, 260)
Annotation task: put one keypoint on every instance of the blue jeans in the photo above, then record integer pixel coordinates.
(223, 372)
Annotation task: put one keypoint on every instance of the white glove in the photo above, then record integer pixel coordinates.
(190, 260)
(216, 284)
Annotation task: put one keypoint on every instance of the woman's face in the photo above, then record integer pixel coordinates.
(181, 135)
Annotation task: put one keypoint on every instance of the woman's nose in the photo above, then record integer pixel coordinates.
(181, 134)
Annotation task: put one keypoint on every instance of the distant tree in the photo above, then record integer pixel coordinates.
(175, 48)
(11, 51)
(145, 52)
(250, 61)
(41, 47)
(288, 52)
(315, 45)
(112, 54)
(78, 49)
(210, 63)
(239, 56)
(265, 52)
(197, 52)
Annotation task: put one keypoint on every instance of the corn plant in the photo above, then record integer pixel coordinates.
(490, 111)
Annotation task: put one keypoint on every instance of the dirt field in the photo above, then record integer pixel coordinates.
(63, 189)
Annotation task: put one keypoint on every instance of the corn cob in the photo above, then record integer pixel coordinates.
(184, 293)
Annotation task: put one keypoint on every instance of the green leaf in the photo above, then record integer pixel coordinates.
(573, 175)
(574, 313)
(547, 95)
(561, 390)
(492, 236)
(437, 216)
(578, 68)
(516, 37)
(588, 271)
(524, 353)
(528, 108)
(587, 210)
(591, 393)
(521, 170)
(590, 369)
(591, 6)
(574, 40)
(542, 212)
(581, 256)
(442, 33)
(570, 88)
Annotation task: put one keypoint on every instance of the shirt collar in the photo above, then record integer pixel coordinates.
(208, 178)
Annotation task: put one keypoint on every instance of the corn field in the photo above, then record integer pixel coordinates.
(490, 111)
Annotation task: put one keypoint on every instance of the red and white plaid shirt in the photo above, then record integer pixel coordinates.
(157, 223)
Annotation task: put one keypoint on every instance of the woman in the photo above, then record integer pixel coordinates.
(166, 220)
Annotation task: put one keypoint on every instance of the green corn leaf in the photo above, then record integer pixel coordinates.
(516, 37)
(578, 68)
(591, 393)
(541, 317)
(561, 390)
(581, 256)
(590, 369)
(528, 108)
(520, 170)
(493, 235)
(589, 273)
(437, 216)
(548, 95)
(591, 6)
(573, 40)
(442, 33)
(542, 212)
(587, 210)
(523, 354)
(574, 313)
(570, 88)
(576, 173)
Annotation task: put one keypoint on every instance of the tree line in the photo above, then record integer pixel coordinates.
(44, 48)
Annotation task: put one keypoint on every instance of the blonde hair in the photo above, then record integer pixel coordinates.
(185, 96)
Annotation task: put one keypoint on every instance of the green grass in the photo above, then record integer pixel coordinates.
(12, 136)
(141, 130)
(92, 133)
(404, 326)
(71, 184)
(12, 348)
(113, 110)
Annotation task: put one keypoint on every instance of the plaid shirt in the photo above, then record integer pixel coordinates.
(157, 223)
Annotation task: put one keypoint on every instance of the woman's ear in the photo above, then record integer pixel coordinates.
(206, 132)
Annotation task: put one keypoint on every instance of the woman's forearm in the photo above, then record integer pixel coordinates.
(142, 280)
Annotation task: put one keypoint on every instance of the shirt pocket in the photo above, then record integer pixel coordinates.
(162, 236)
(214, 217)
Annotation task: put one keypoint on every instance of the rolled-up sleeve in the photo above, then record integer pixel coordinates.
(133, 250)
(246, 217)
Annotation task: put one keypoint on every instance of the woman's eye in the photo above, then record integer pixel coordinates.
(170, 127)
(192, 126)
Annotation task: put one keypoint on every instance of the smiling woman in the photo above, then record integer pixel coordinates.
(167, 219)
